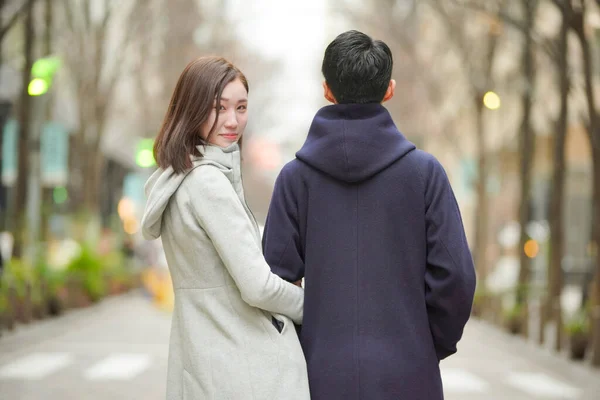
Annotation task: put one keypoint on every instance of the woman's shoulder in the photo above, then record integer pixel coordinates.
(206, 176)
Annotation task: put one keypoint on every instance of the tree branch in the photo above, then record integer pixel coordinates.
(87, 12)
(15, 17)
(107, 14)
(111, 75)
(544, 46)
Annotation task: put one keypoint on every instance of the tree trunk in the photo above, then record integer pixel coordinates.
(594, 136)
(46, 193)
(94, 163)
(481, 213)
(4, 105)
(24, 127)
(527, 153)
(76, 172)
(596, 233)
(93, 178)
(553, 311)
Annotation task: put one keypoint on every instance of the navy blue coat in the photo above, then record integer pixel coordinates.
(373, 226)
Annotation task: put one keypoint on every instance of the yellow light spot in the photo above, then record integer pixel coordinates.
(130, 226)
(491, 100)
(532, 248)
(126, 208)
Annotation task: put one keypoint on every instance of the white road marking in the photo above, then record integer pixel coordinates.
(457, 380)
(538, 384)
(118, 367)
(35, 366)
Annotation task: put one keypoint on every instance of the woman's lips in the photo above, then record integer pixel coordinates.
(229, 136)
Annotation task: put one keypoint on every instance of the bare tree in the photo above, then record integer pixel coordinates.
(20, 193)
(527, 151)
(578, 25)
(551, 310)
(477, 62)
(98, 45)
(21, 11)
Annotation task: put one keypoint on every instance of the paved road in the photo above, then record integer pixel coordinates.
(118, 350)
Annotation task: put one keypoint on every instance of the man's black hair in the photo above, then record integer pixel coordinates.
(357, 69)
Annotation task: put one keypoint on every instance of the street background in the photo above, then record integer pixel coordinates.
(118, 350)
(503, 92)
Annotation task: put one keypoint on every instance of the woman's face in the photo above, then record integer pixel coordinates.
(233, 116)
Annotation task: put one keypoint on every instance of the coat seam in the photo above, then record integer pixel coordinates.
(344, 145)
(357, 332)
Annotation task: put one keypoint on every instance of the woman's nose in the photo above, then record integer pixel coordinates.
(231, 121)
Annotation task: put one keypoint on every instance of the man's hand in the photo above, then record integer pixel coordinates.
(298, 283)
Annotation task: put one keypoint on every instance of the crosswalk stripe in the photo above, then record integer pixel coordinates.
(35, 366)
(538, 384)
(118, 367)
(457, 380)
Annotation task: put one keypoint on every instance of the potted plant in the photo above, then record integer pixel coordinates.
(578, 332)
(3, 312)
(19, 277)
(117, 279)
(57, 295)
(513, 319)
(8, 313)
(85, 281)
(38, 303)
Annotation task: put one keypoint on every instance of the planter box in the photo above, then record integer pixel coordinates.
(21, 305)
(55, 305)
(7, 321)
(514, 326)
(76, 294)
(578, 343)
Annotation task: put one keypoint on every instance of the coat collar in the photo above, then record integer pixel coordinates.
(228, 157)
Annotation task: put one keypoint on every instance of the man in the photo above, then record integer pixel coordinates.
(373, 226)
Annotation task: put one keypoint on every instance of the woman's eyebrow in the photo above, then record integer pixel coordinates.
(240, 101)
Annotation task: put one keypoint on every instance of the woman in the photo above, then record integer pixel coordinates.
(231, 337)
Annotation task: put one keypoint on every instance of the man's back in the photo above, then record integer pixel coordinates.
(372, 225)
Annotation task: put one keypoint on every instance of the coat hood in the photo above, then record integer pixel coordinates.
(353, 142)
(163, 184)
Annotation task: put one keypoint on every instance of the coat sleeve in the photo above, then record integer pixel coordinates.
(450, 273)
(282, 244)
(221, 214)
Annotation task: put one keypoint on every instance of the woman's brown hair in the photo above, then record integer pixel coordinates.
(201, 84)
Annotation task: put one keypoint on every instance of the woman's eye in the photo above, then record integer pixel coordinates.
(221, 108)
(242, 108)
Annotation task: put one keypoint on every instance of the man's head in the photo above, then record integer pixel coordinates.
(357, 69)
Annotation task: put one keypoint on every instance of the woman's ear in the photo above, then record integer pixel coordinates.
(327, 93)
(389, 93)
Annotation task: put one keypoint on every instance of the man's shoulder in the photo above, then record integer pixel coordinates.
(425, 162)
(422, 158)
(293, 165)
(427, 166)
(292, 170)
